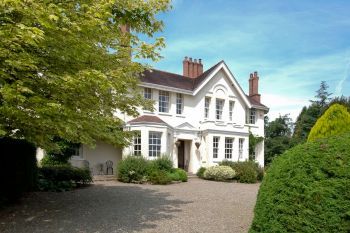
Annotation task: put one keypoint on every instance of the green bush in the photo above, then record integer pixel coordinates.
(160, 177)
(61, 155)
(334, 121)
(219, 173)
(62, 177)
(18, 169)
(182, 174)
(246, 172)
(307, 189)
(133, 169)
(200, 172)
(163, 163)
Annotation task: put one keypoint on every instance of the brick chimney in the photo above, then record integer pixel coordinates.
(254, 86)
(192, 69)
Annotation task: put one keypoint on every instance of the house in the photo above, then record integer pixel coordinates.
(200, 119)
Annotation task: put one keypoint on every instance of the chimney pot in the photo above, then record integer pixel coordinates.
(255, 73)
(195, 60)
(190, 59)
(251, 75)
(200, 61)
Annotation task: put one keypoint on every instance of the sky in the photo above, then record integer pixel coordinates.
(294, 45)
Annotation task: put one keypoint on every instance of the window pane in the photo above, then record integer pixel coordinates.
(219, 108)
(215, 147)
(179, 103)
(206, 107)
(163, 101)
(154, 144)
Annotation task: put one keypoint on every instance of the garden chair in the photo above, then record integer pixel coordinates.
(109, 166)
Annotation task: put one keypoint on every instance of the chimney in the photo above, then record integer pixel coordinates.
(254, 86)
(192, 68)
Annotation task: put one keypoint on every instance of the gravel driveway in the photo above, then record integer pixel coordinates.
(195, 206)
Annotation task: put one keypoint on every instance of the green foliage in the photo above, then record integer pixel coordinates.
(335, 121)
(253, 141)
(219, 173)
(63, 153)
(159, 177)
(163, 163)
(182, 174)
(62, 177)
(246, 172)
(307, 189)
(200, 172)
(18, 169)
(54, 52)
(133, 169)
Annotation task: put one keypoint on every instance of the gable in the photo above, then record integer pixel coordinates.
(186, 126)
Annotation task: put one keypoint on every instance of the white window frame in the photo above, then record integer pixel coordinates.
(228, 147)
(240, 148)
(137, 144)
(230, 111)
(219, 108)
(154, 144)
(147, 93)
(252, 116)
(164, 100)
(179, 103)
(216, 141)
(206, 107)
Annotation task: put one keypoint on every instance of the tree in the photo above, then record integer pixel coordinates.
(65, 67)
(277, 137)
(322, 97)
(335, 121)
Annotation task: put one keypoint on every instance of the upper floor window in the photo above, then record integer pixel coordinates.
(228, 148)
(206, 107)
(154, 144)
(252, 116)
(137, 143)
(230, 112)
(163, 101)
(240, 148)
(147, 93)
(215, 147)
(219, 108)
(179, 103)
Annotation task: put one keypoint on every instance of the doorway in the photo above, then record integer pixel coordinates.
(181, 155)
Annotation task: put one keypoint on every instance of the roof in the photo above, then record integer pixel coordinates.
(164, 78)
(254, 102)
(147, 119)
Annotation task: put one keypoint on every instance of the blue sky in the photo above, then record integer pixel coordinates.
(294, 45)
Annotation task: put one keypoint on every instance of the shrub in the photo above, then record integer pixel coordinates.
(133, 169)
(219, 173)
(182, 174)
(335, 121)
(307, 189)
(62, 177)
(246, 172)
(61, 155)
(159, 177)
(200, 172)
(18, 169)
(163, 163)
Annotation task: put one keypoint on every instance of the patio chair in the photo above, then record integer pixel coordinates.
(100, 168)
(109, 166)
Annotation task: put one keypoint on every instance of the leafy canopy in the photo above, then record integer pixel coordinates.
(65, 67)
(335, 121)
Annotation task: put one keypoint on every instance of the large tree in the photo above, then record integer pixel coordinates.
(65, 66)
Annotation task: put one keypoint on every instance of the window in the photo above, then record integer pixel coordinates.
(230, 112)
(215, 147)
(179, 103)
(154, 144)
(206, 107)
(228, 148)
(163, 101)
(252, 116)
(137, 143)
(240, 148)
(147, 93)
(219, 107)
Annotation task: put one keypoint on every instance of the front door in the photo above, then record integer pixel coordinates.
(181, 155)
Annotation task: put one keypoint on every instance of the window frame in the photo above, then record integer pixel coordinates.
(216, 141)
(179, 103)
(228, 147)
(163, 101)
(137, 144)
(206, 107)
(230, 110)
(154, 144)
(252, 116)
(240, 147)
(219, 111)
(147, 93)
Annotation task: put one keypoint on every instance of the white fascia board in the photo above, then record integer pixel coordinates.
(166, 88)
(232, 78)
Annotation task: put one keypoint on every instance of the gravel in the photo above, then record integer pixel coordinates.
(111, 206)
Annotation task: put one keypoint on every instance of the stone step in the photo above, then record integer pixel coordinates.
(104, 178)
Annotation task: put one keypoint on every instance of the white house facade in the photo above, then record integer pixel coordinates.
(199, 119)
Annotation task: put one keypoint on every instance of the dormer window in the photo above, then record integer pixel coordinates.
(219, 108)
(163, 101)
(147, 93)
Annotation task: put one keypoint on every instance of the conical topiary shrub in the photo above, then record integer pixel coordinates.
(335, 121)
